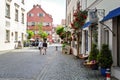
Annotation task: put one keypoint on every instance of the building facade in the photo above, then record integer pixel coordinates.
(106, 27)
(12, 24)
(71, 6)
(107, 30)
(37, 16)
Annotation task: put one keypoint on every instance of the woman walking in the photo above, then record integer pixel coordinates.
(44, 47)
(40, 46)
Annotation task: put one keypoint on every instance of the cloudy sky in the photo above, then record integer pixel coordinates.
(54, 7)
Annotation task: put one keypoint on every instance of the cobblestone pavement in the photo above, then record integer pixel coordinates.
(28, 64)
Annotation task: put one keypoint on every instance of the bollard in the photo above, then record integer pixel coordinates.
(108, 74)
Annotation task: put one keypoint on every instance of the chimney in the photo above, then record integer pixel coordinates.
(38, 5)
(33, 5)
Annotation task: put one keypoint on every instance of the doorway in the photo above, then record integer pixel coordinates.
(118, 41)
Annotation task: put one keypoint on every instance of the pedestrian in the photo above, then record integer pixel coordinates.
(44, 47)
(56, 48)
(40, 46)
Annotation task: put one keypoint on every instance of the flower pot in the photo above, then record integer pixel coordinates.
(103, 71)
(95, 67)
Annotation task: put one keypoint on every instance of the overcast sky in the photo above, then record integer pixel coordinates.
(54, 7)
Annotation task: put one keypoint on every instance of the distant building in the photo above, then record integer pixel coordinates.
(12, 24)
(36, 16)
(63, 22)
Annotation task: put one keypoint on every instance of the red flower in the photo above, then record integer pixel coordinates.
(71, 24)
(85, 17)
(76, 19)
(79, 18)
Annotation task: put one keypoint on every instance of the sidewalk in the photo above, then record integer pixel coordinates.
(6, 51)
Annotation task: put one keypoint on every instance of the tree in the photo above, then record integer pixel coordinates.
(43, 34)
(30, 34)
(61, 31)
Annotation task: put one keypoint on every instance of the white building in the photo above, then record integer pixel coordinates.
(108, 12)
(71, 6)
(12, 23)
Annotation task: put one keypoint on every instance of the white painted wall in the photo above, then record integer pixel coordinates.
(14, 26)
(2, 23)
(108, 5)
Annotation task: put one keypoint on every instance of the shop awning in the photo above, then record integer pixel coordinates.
(87, 24)
(112, 14)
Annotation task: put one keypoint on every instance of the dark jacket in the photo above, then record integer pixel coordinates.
(44, 44)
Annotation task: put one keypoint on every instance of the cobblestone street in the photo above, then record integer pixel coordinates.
(28, 64)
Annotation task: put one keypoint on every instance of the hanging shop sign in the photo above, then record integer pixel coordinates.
(93, 17)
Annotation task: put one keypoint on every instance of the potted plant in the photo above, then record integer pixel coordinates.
(93, 56)
(93, 53)
(104, 59)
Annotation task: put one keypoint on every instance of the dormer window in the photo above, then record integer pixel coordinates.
(30, 14)
(40, 14)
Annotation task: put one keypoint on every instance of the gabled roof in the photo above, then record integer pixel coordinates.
(38, 7)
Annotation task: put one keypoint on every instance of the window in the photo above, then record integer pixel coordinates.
(7, 11)
(106, 36)
(86, 40)
(40, 14)
(16, 36)
(30, 14)
(28, 24)
(47, 24)
(7, 35)
(16, 15)
(22, 36)
(33, 24)
(23, 18)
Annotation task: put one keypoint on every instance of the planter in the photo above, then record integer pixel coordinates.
(66, 49)
(103, 71)
(95, 66)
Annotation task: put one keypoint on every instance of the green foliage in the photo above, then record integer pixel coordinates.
(40, 25)
(63, 45)
(59, 30)
(43, 34)
(105, 57)
(93, 53)
(30, 34)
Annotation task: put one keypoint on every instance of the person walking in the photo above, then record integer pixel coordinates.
(40, 46)
(44, 47)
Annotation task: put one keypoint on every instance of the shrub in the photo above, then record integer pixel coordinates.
(93, 53)
(105, 57)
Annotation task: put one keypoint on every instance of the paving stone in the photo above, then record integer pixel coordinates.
(28, 64)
